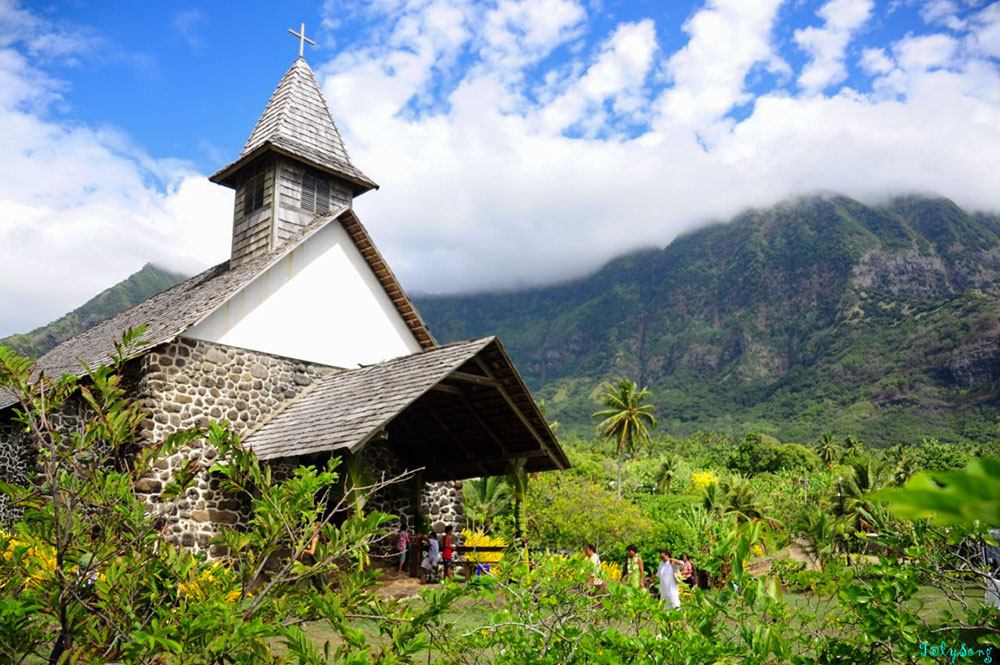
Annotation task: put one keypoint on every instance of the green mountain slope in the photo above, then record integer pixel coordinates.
(149, 281)
(817, 314)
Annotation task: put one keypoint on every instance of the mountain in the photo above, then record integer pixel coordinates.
(149, 281)
(818, 314)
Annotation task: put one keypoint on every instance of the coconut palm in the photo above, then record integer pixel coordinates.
(821, 535)
(352, 493)
(741, 500)
(862, 480)
(828, 450)
(853, 447)
(625, 420)
(483, 499)
(902, 464)
(353, 489)
(665, 473)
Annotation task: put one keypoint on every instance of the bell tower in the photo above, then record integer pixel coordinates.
(293, 168)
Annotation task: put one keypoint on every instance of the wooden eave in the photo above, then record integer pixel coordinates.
(226, 176)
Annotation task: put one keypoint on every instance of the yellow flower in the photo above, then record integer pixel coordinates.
(479, 539)
(704, 479)
(610, 570)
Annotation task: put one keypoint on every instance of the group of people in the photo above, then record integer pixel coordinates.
(670, 573)
(442, 552)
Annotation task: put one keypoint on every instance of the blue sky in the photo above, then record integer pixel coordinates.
(516, 141)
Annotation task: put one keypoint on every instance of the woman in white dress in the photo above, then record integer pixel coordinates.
(667, 573)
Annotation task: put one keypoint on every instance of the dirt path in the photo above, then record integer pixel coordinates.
(796, 551)
(397, 586)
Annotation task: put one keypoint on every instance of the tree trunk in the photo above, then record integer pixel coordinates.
(619, 476)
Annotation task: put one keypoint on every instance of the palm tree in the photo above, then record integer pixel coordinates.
(517, 486)
(713, 498)
(664, 476)
(853, 446)
(741, 500)
(355, 485)
(626, 420)
(821, 533)
(904, 466)
(864, 479)
(828, 450)
(352, 493)
(483, 499)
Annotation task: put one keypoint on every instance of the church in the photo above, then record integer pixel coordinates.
(307, 345)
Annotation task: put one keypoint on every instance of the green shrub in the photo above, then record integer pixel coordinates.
(566, 511)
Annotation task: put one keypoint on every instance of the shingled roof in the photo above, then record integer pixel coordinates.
(495, 422)
(168, 314)
(297, 123)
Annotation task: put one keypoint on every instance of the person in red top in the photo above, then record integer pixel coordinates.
(687, 571)
(448, 551)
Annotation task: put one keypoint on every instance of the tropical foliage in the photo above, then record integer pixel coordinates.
(86, 578)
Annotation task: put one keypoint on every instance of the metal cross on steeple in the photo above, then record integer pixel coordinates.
(301, 34)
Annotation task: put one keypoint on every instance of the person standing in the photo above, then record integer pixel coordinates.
(308, 557)
(687, 571)
(667, 574)
(449, 551)
(433, 556)
(634, 572)
(402, 545)
(590, 551)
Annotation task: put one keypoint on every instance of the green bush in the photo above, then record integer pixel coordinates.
(566, 511)
(759, 453)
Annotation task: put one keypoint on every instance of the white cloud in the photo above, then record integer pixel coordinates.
(985, 33)
(875, 61)
(78, 211)
(728, 37)
(923, 52)
(827, 46)
(942, 12)
(188, 24)
(496, 188)
(617, 74)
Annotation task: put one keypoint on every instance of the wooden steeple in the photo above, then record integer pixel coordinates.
(293, 167)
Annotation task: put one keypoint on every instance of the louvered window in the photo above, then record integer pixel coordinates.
(253, 194)
(315, 193)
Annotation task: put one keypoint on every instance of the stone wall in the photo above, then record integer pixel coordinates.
(17, 459)
(398, 498)
(189, 382)
(18, 451)
(441, 503)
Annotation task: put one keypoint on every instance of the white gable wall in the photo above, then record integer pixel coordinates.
(320, 303)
